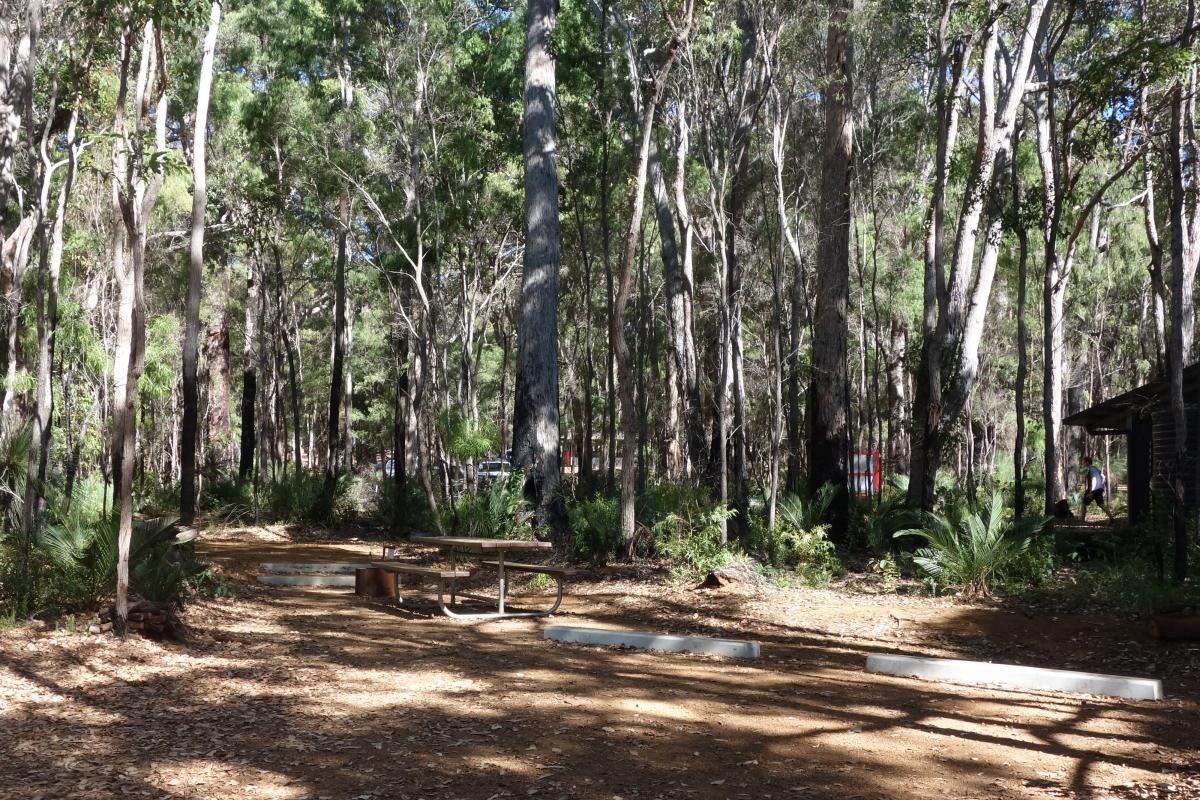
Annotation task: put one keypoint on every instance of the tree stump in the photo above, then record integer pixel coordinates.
(375, 582)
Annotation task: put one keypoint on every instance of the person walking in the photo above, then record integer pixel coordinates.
(1093, 489)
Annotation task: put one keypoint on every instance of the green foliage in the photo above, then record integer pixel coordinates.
(401, 511)
(876, 519)
(803, 513)
(498, 512)
(294, 497)
(466, 441)
(663, 499)
(1036, 564)
(800, 541)
(968, 546)
(72, 562)
(693, 543)
(596, 529)
(540, 580)
(18, 551)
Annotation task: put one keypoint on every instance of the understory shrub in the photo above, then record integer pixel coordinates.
(499, 511)
(693, 543)
(1035, 564)
(595, 529)
(811, 554)
(969, 545)
(662, 499)
(1131, 584)
(406, 509)
(876, 518)
(72, 561)
(208, 583)
(800, 540)
(293, 497)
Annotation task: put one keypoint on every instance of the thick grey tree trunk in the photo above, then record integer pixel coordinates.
(679, 302)
(949, 360)
(1158, 288)
(798, 311)
(50, 245)
(341, 334)
(926, 417)
(829, 440)
(535, 412)
(333, 446)
(752, 76)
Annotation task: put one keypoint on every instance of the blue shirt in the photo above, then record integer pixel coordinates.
(1095, 479)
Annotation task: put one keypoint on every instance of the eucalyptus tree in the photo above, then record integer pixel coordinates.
(956, 303)
(195, 275)
(1084, 150)
(829, 442)
(647, 106)
(137, 176)
(21, 28)
(70, 65)
(535, 410)
(1180, 143)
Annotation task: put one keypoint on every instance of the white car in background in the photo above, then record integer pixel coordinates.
(491, 470)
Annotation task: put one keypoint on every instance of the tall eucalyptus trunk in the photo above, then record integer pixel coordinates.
(249, 436)
(829, 442)
(341, 334)
(1022, 340)
(1183, 275)
(625, 365)
(191, 335)
(136, 180)
(535, 412)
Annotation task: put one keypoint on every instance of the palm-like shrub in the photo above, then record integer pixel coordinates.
(877, 518)
(498, 512)
(82, 559)
(804, 513)
(968, 545)
(800, 540)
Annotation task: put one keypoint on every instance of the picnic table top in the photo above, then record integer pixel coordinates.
(480, 545)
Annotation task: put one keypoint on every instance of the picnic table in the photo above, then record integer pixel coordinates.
(498, 550)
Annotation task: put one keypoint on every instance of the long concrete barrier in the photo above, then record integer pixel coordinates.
(654, 641)
(306, 580)
(1060, 680)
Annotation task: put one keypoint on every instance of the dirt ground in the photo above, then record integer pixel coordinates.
(300, 693)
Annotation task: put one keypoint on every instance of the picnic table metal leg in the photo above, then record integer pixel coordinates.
(445, 609)
(453, 586)
(500, 570)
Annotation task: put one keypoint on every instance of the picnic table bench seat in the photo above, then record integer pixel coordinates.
(546, 569)
(426, 572)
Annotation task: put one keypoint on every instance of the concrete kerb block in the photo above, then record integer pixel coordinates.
(1059, 680)
(306, 580)
(340, 568)
(731, 648)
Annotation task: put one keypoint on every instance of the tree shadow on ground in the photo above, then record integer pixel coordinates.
(316, 694)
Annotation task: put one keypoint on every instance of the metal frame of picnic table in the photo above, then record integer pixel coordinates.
(480, 547)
